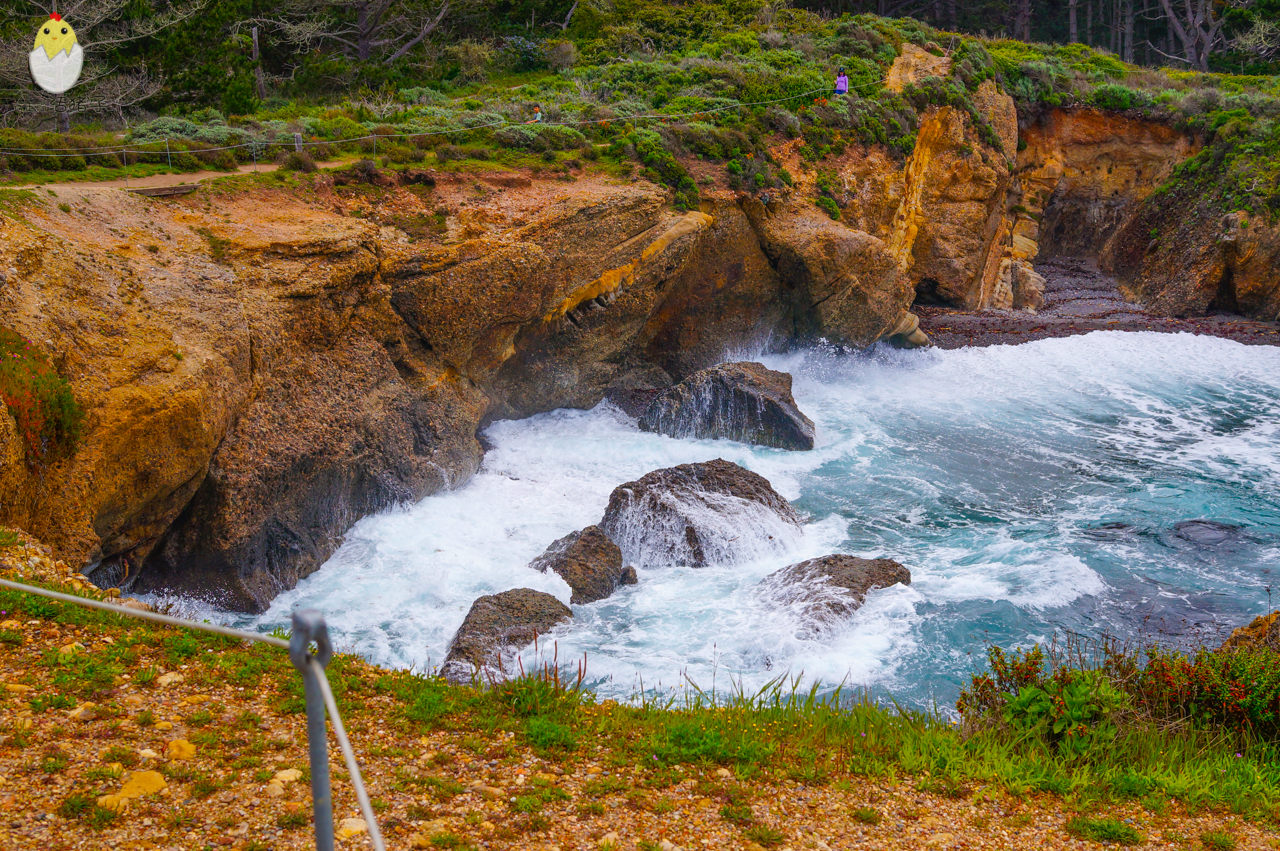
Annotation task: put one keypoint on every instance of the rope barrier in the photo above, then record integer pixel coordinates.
(117, 609)
(447, 131)
(309, 628)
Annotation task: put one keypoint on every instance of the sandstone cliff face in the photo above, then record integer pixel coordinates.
(1183, 259)
(260, 372)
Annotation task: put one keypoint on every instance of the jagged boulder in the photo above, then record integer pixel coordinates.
(588, 561)
(698, 515)
(824, 591)
(1262, 633)
(747, 402)
(498, 625)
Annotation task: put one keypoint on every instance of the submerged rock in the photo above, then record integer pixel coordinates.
(747, 402)
(588, 561)
(827, 590)
(499, 624)
(698, 515)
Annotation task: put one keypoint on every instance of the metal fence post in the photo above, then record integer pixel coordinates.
(308, 628)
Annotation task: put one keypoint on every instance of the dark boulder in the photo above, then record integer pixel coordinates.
(588, 561)
(746, 402)
(829, 589)
(499, 624)
(698, 515)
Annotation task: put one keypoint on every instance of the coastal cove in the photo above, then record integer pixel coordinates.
(1115, 483)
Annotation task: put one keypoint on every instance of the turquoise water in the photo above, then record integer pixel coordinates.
(1116, 483)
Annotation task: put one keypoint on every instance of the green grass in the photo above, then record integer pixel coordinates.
(1103, 830)
(1218, 840)
(867, 815)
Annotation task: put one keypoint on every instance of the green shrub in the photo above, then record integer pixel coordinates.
(828, 206)
(40, 401)
(1117, 97)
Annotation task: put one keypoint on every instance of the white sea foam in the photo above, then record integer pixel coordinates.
(1027, 488)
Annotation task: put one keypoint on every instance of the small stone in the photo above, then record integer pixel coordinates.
(724, 772)
(239, 830)
(143, 783)
(610, 838)
(419, 840)
(288, 775)
(135, 699)
(148, 753)
(180, 749)
(595, 769)
(940, 839)
(491, 792)
(164, 725)
(114, 803)
(668, 845)
(16, 688)
(137, 605)
(71, 649)
(84, 712)
(487, 825)
(546, 777)
(275, 789)
(352, 827)
(169, 679)
(196, 699)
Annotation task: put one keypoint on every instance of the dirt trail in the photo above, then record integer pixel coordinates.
(158, 180)
(1079, 298)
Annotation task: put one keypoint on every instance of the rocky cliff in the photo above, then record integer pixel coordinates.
(261, 367)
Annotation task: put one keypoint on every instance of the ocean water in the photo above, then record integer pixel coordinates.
(1123, 484)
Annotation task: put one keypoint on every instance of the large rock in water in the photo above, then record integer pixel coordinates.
(826, 590)
(498, 625)
(699, 515)
(589, 562)
(737, 401)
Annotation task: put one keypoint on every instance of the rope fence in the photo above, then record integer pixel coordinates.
(309, 630)
(299, 144)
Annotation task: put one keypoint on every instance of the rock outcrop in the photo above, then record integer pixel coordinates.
(589, 562)
(498, 626)
(746, 402)
(846, 285)
(714, 513)
(825, 591)
(1262, 633)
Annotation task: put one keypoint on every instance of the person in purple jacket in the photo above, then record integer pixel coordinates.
(842, 83)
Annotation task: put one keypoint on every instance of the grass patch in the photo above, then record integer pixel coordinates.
(1103, 830)
(1218, 840)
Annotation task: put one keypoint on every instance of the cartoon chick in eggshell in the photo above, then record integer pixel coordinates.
(57, 60)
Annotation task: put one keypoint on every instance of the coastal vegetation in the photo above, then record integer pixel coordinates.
(39, 399)
(1164, 732)
(657, 88)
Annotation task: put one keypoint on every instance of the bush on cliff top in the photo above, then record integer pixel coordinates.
(40, 400)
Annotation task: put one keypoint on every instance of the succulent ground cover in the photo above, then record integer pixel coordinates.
(119, 733)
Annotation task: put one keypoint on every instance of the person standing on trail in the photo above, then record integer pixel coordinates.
(537, 116)
(842, 83)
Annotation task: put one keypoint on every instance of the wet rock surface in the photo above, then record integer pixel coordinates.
(588, 561)
(826, 590)
(499, 624)
(746, 402)
(697, 515)
(1079, 298)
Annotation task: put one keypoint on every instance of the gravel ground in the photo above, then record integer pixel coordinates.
(1078, 299)
(244, 787)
